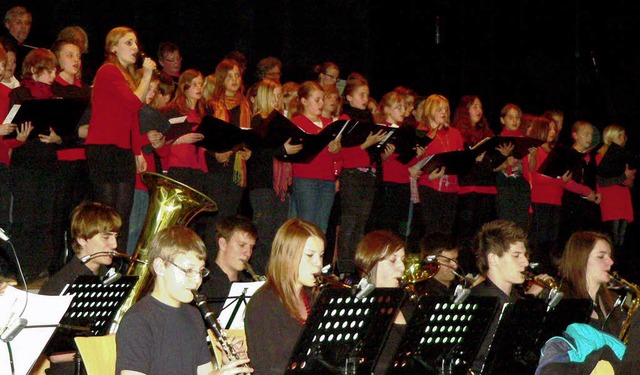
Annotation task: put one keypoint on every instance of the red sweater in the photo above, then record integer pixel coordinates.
(114, 117)
(187, 155)
(353, 157)
(545, 189)
(447, 139)
(321, 167)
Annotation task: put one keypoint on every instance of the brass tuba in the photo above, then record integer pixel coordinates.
(632, 307)
(170, 203)
(416, 271)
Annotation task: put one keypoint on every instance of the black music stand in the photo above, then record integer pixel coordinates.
(442, 333)
(92, 309)
(525, 328)
(344, 334)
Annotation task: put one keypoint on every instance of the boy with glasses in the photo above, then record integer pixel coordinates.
(162, 333)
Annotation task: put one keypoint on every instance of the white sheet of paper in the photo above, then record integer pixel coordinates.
(30, 342)
(233, 300)
(178, 120)
(11, 114)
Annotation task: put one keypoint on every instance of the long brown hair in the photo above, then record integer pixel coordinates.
(573, 264)
(180, 100)
(286, 253)
(374, 247)
(111, 40)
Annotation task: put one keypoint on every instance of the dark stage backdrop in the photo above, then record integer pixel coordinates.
(540, 54)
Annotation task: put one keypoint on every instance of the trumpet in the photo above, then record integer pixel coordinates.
(632, 307)
(555, 295)
(363, 289)
(253, 273)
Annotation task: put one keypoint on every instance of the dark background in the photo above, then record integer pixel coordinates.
(575, 56)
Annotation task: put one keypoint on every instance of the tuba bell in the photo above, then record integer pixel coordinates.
(171, 203)
(417, 270)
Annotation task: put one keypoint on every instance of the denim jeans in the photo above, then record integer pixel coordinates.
(136, 220)
(313, 199)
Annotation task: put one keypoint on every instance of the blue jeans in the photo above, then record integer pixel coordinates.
(136, 220)
(313, 199)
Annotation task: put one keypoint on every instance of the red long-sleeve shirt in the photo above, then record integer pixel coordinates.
(545, 189)
(114, 117)
(447, 139)
(321, 167)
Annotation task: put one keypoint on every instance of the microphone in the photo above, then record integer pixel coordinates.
(142, 55)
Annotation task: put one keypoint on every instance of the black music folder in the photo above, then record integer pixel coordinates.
(151, 119)
(221, 136)
(407, 140)
(454, 162)
(63, 115)
(179, 129)
(520, 149)
(614, 161)
(276, 129)
(561, 159)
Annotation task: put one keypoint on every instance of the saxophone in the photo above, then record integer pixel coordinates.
(633, 307)
(214, 325)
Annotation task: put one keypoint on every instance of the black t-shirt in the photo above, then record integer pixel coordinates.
(155, 338)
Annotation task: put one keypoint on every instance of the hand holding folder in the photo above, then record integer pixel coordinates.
(561, 159)
(61, 115)
(521, 145)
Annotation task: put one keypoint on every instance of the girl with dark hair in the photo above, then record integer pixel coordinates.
(380, 258)
(584, 268)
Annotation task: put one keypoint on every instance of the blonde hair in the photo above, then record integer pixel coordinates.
(265, 99)
(91, 218)
(286, 253)
(209, 86)
(430, 106)
(173, 241)
(610, 133)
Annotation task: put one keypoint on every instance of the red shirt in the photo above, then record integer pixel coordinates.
(545, 189)
(187, 155)
(353, 157)
(447, 139)
(321, 167)
(114, 117)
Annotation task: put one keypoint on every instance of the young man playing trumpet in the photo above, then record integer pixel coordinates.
(162, 333)
(440, 245)
(502, 258)
(236, 236)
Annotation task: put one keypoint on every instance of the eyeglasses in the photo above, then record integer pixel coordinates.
(191, 273)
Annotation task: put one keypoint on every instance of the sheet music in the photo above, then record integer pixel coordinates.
(11, 114)
(177, 120)
(343, 127)
(30, 342)
(232, 314)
